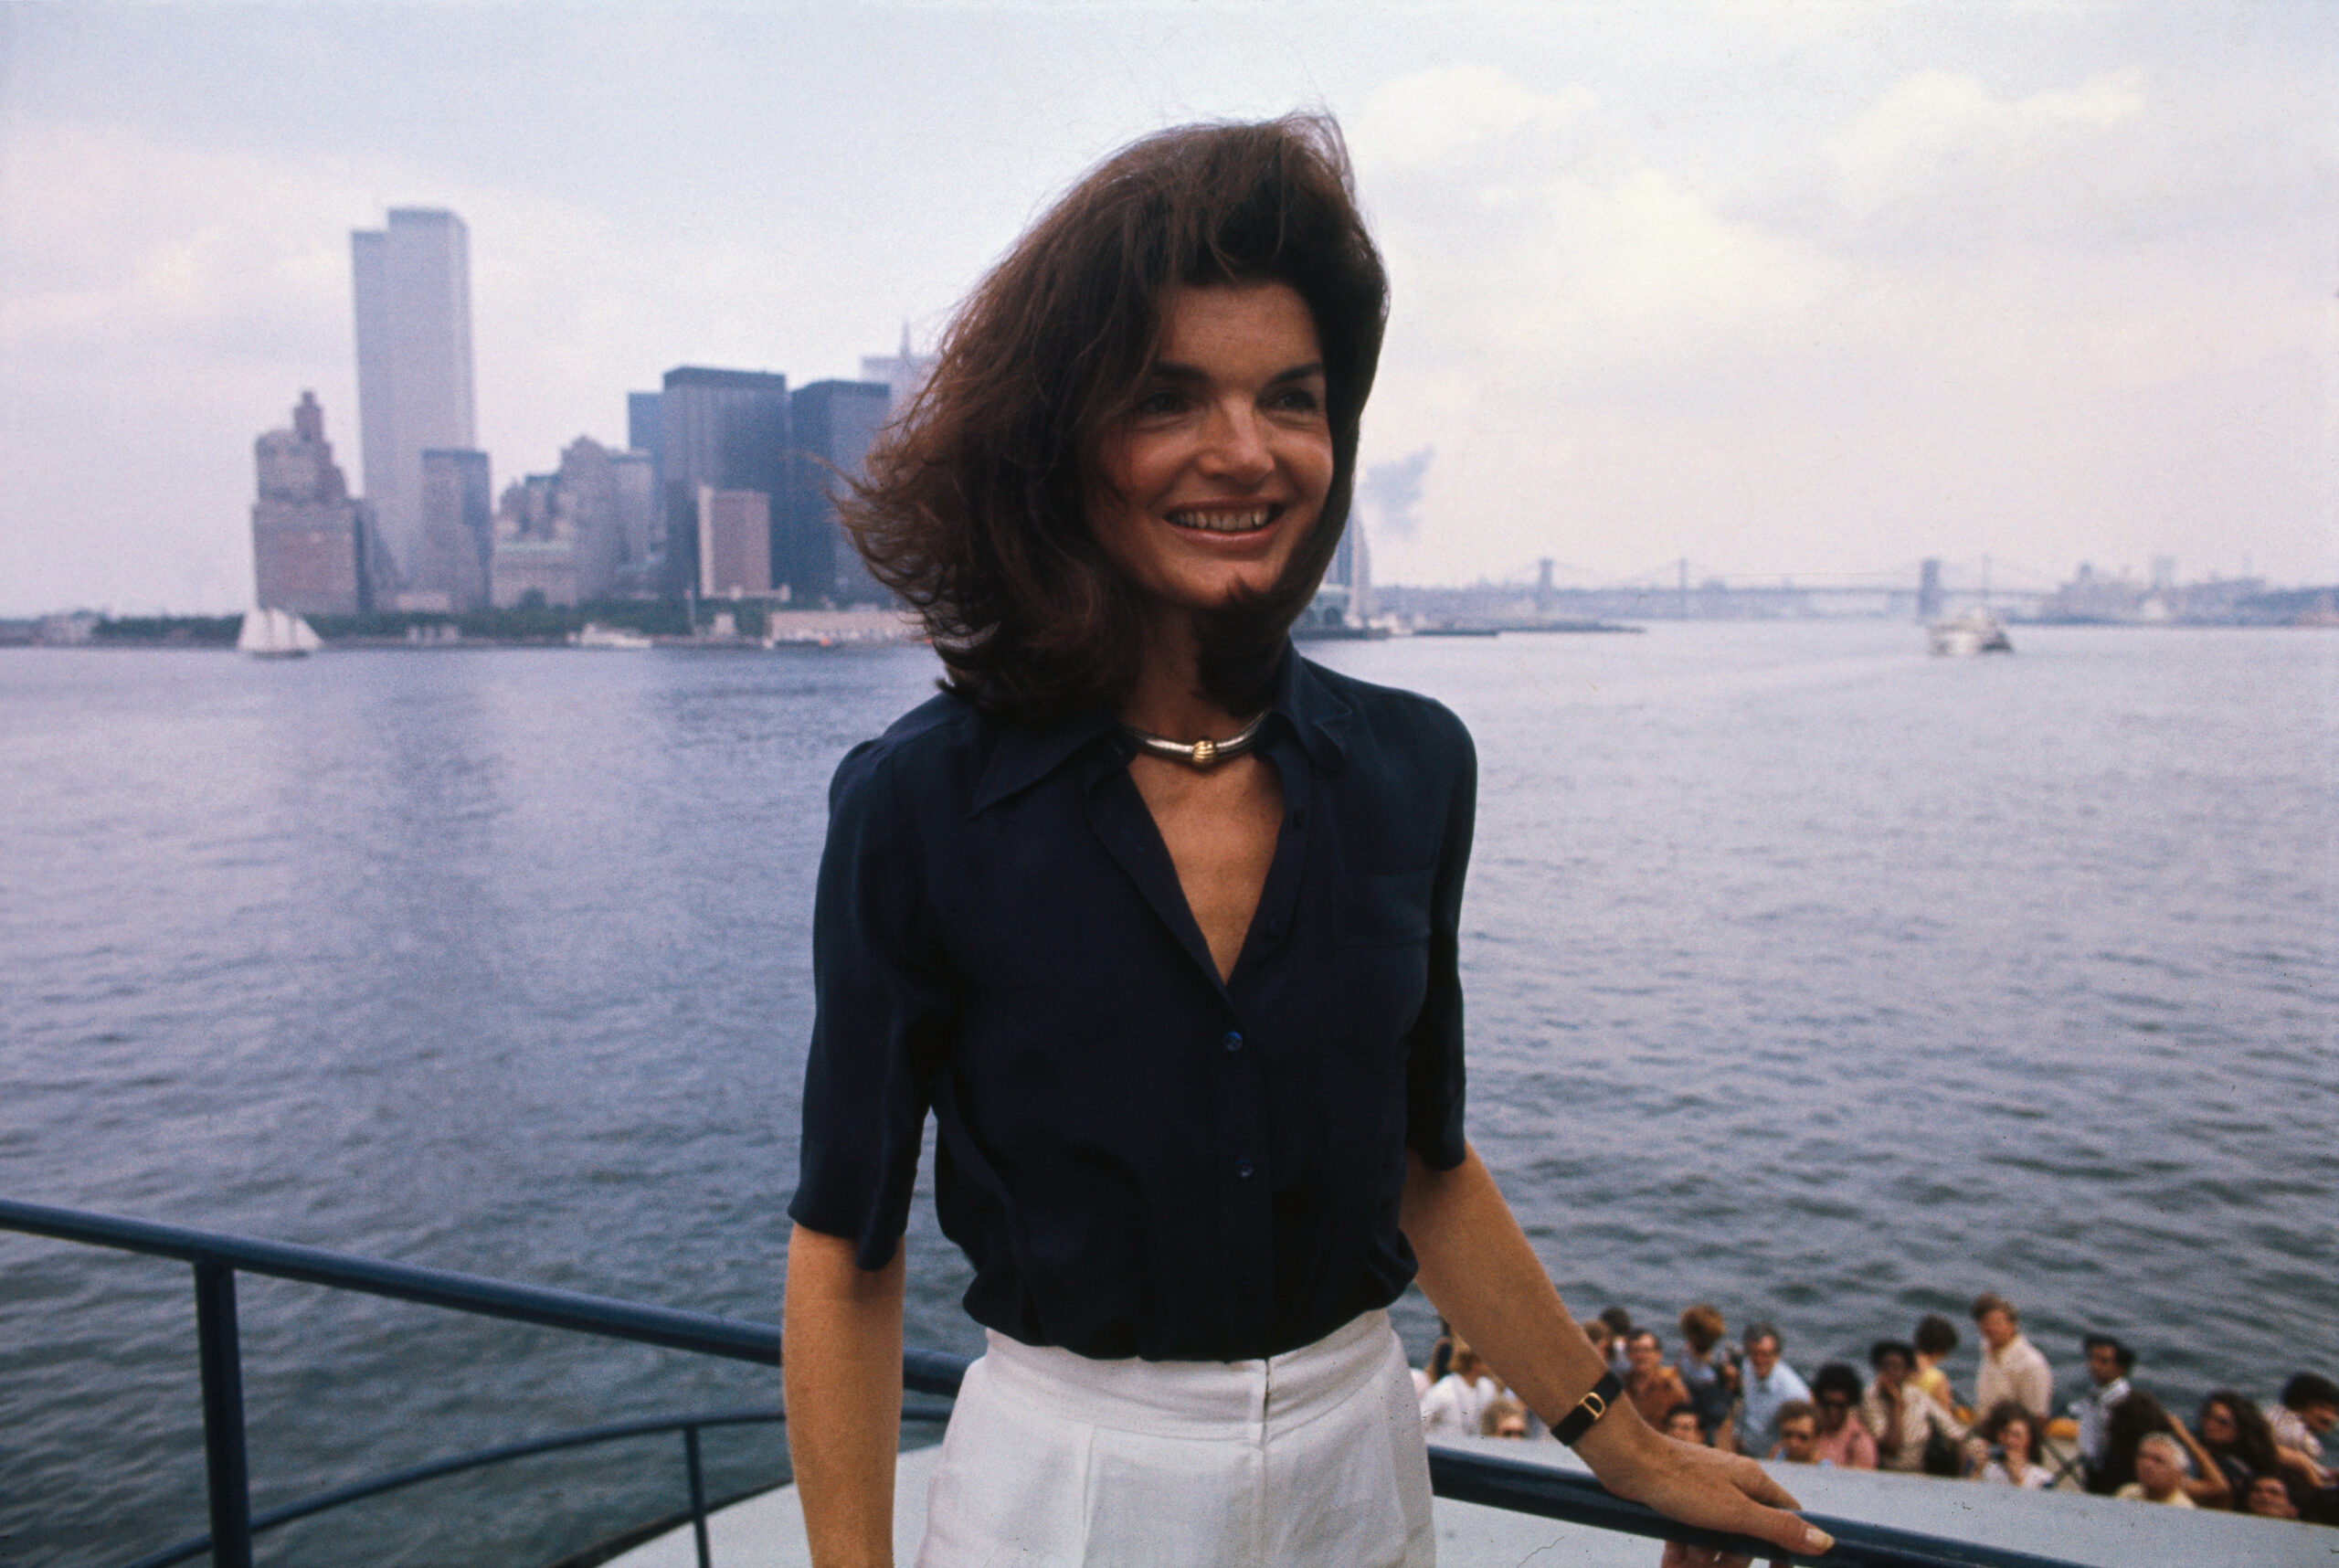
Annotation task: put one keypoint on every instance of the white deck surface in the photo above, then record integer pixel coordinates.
(768, 1531)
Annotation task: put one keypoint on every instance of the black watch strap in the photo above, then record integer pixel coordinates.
(1588, 1409)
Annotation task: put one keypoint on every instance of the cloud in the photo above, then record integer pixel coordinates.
(1429, 118)
(1393, 492)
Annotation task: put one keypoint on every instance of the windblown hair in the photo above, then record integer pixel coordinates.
(975, 509)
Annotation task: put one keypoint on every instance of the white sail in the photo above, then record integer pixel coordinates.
(276, 634)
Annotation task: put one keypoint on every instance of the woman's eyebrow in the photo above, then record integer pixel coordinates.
(1172, 370)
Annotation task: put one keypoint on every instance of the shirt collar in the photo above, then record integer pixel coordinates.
(1025, 754)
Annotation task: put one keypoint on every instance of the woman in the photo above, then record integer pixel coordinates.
(1708, 1367)
(1935, 1338)
(1843, 1441)
(2011, 1449)
(1160, 922)
(1458, 1401)
(2238, 1439)
(1901, 1419)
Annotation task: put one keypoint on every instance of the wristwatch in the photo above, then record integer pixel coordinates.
(1588, 1409)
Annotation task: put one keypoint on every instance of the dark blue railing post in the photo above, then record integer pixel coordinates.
(698, 1495)
(223, 1415)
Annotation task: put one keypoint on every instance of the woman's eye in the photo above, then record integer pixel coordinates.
(1153, 405)
(1298, 400)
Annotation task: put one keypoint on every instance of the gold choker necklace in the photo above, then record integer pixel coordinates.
(1202, 753)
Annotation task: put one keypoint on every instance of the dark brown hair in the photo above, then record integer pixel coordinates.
(975, 509)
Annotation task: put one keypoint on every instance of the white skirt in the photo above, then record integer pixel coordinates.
(1315, 1456)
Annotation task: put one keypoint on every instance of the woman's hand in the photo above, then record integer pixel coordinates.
(1481, 1275)
(1697, 1486)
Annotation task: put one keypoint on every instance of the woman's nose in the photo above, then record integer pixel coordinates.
(1237, 445)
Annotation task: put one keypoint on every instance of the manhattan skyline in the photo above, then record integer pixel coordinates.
(1778, 289)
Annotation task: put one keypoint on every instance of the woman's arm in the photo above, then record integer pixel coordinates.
(2209, 1489)
(843, 1367)
(1479, 1272)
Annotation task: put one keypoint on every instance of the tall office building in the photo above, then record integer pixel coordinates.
(458, 533)
(734, 543)
(832, 425)
(904, 374)
(413, 291)
(717, 429)
(641, 421)
(308, 537)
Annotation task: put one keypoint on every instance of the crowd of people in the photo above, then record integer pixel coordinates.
(2112, 1436)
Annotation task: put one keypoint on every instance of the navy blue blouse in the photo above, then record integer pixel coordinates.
(1138, 1159)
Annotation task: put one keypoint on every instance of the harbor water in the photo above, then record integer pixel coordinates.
(1807, 975)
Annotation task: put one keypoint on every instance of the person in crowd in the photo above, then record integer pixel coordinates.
(1844, 1439)
(2008, 1448)
(2109, 1363)
(1799, 1427)
(1935, 1338)
(1684, 1424)
(2011, 1367)
(2269, 1498)
(1709, 1371)
(1620, 1337)
(1095, 908)
(1654, 1388)
(1502, 1417)
(2132, 1421)
(1598, 1333)
(1441, 1362)
(2235, 1434)
(1901, 1419)
(1770, 1385)
(2160, 1473)
(1456, 1401)
(2307, 1411)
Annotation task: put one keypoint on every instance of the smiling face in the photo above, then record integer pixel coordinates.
(1997, 1327)
(1762, 1355)
(1221, 465)
(1642, 1351)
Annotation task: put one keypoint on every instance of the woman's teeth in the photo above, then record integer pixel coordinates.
(1225, 522)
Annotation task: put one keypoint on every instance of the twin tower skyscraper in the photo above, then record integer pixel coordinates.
(413, 287)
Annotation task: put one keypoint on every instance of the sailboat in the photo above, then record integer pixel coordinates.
(277, 634)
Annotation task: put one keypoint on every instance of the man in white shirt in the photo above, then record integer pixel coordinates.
(2108, 1363)
(2012, 1367)
(1769, 1383)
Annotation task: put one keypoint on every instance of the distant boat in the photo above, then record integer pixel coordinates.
(595, 635)
(1974, 632)
(277, 634)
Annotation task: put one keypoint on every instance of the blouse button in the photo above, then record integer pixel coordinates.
(1275, 927)
(1234, 1041)
(1242, 1168)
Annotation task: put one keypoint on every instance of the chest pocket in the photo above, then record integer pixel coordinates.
(1383, 909)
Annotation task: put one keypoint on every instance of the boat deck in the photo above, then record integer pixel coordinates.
(768, 1531)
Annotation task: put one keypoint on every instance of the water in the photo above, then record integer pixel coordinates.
(1807, 975)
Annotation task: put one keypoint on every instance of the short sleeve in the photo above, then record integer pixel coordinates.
(1434, 1069)
(884, 1009)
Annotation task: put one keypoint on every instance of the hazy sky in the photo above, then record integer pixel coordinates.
(1781, 288)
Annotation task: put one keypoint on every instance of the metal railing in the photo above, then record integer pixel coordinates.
(216, 1258)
